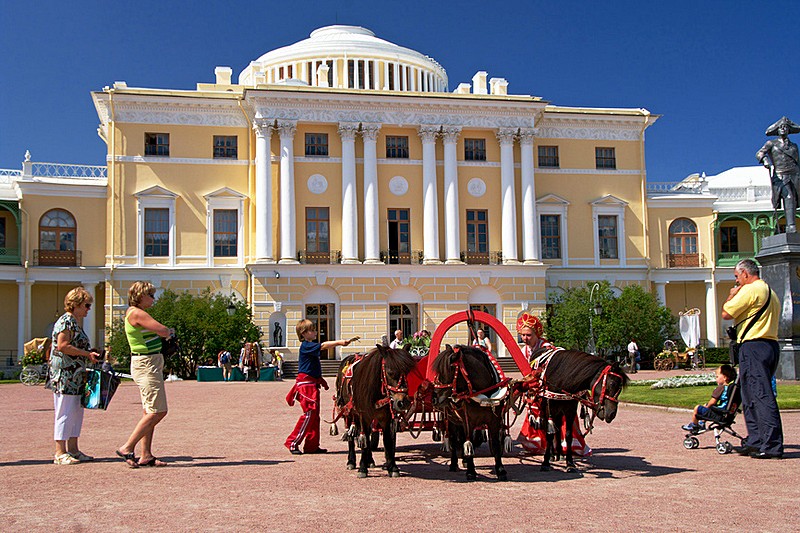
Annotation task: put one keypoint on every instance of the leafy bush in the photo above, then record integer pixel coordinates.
(202, 325)
(717, 355)
(34, 358)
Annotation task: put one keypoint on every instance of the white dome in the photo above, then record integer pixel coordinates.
(356, 59)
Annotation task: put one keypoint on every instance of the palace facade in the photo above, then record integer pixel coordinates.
(343, 179)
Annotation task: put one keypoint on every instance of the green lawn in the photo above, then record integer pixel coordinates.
(788, 396)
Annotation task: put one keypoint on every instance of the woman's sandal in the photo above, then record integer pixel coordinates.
(129, 458)
(153, 462)
(65, 459)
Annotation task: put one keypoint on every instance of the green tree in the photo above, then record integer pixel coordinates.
(633, 314)
(202, 325)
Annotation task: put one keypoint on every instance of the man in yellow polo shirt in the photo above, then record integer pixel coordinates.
(758, 359)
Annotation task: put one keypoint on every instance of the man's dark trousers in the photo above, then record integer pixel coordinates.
(758, 360)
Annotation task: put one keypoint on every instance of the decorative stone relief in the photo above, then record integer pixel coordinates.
(476, 187)
(527, 135)
(428, 133)
(398, 185)
(287, 128)
(506, 135)
(348, 130)
(618, 133)
(369, 132)
(317, 183)
(450, 133)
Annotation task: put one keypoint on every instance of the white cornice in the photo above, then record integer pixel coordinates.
(98, 189)
(177, 110)
(595, 127)
(177, 160)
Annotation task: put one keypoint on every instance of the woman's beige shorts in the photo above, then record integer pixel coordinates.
(148, 373)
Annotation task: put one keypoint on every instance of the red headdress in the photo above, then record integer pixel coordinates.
(527, 320)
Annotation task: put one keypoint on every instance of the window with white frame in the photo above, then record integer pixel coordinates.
(552, 211)
(224, 209)
(608, 216)
(156, 224)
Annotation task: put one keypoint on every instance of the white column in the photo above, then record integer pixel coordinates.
(661, 292)
(356, 76)
(712, 314)
(345, 73)
(263, 130)
(530, 222)
(23, 291)
(89, 323)
(349, 206)
(385, 85)
(376, 79)
(508, 200)
(396, 76)
(452, 242)
(372, 253)
(430, 200)
(287, 129)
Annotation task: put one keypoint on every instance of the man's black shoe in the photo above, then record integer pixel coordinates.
(295, 451)
(319, 450)
(765, 455)
(746, 450)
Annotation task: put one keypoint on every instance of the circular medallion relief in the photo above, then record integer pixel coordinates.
(398, 185)
(476, 187)
(317, 183)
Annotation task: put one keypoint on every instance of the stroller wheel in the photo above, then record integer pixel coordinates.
(687, 443)
(726, 447)
(695, 442)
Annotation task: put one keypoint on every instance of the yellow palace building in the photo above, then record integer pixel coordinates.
(346, 179)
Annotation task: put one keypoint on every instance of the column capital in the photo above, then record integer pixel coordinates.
(348, 130)
(506, 135)
(450, 133)
(263, 127)
(369, 131)
(428, 133)
(287, 128)
(527, 135)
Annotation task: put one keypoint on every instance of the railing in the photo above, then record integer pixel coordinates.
(56, 257)
(685, 260)
(727, 259)
(321, 258)
(393, 257)
(482, 258)
(59, 170)
(9, 256)
(736, 194)
(7, 175)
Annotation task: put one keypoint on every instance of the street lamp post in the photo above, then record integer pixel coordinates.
(596, 310)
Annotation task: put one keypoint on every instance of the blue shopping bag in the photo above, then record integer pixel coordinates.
(100, 388)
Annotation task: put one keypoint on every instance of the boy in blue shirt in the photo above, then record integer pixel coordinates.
(716, 408)
(306, 389)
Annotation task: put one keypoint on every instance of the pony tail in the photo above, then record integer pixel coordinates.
(508, 444)
(551, 428)
(469, 450)
(362, 441)
(334, 430)
(446, 445)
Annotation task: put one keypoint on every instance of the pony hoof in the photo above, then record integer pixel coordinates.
(351, 466)
(362, 475)
(546, 468)
(502, 476)
(372, 464)
(471, 477)
(394, 473)
(572, 470)
(454, 468)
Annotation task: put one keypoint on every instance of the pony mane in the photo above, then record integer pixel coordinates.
(573, 370)
(367, 375)
(475, 360)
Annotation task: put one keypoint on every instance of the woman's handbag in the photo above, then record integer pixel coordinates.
(170, 346)
(100, 388)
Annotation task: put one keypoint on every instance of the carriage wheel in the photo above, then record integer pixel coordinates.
(29, 376)
(701, 360)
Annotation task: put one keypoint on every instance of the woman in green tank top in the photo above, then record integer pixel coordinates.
(147, 367)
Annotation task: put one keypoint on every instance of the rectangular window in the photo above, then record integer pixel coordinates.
(351, 74)
(548, 157)
(399, 236)
(317, 144)
(330, 72)
(477, 235)
(310, 74)
(396, 147)
(605, 158)
(156, 232)
(225, 147)
(391, 76)
(226, 232)
(156, 144)
(474, 149)
(607, 233)
(729, 239)
(317, 235)
(2, 232)
(550, 226)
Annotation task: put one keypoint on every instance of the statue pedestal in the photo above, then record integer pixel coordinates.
(780, 268)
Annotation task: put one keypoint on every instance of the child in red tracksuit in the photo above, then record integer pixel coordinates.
(306, 389)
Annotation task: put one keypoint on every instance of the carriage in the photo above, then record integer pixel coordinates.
(670, 357)
(35, 365)
(420, 399)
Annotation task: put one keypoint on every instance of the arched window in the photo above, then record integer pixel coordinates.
(57, 238)
(683, 244)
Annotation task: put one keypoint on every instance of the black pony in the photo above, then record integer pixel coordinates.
(465, 380)
(369, 388)
(570, 376)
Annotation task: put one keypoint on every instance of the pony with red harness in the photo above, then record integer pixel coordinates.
(372, 392)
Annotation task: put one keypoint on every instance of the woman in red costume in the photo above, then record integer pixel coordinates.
(533, 440)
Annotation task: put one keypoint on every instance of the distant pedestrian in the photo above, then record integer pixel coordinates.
(397, 343)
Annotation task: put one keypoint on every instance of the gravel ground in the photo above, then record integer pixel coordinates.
(229, 471)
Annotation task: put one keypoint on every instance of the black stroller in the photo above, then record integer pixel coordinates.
(720, 422)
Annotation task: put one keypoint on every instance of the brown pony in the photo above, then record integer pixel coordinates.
(461, 373)
(373, 387)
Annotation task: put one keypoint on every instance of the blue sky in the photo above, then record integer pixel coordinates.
(719, 72)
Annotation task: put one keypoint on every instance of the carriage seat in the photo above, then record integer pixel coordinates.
(493, 400)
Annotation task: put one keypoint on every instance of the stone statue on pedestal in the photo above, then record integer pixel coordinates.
(783, 161)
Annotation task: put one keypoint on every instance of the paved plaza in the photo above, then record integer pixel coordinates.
(229, 471)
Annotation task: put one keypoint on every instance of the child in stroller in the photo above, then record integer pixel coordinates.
(720, 411)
